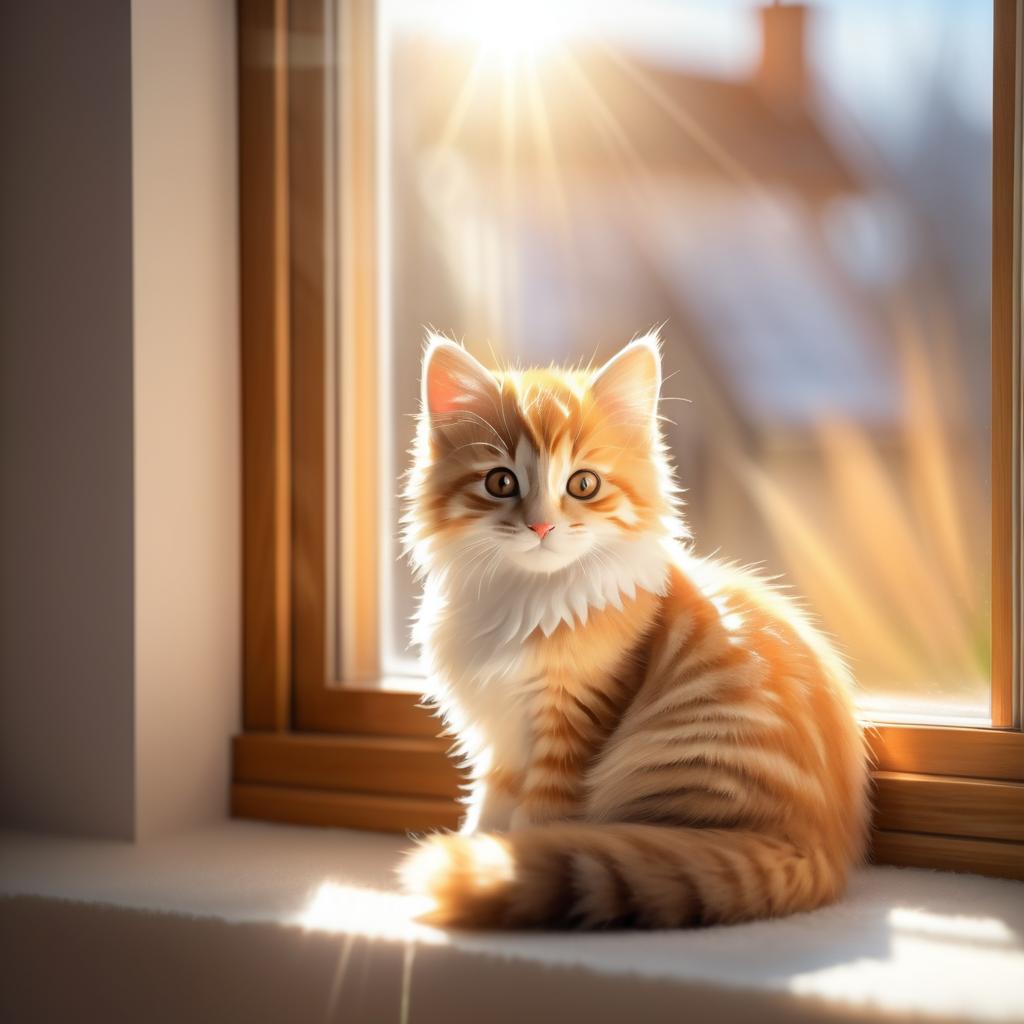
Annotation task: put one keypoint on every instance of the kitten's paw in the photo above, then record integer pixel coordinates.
(530, 814)
(468, 879)
(521, 818)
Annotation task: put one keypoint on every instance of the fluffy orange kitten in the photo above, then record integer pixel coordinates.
(653, 738)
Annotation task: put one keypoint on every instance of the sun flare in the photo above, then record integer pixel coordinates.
(369, 913)
(522, 31)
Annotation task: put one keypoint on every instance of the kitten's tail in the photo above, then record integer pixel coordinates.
(592, 875)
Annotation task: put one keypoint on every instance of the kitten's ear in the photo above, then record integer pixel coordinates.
(453, 382)
(628, 385)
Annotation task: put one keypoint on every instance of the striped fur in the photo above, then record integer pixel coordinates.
(654, 739)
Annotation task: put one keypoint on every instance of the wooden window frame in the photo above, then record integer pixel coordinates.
(313, 752)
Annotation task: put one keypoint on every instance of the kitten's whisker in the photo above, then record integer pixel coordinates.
(477, 549)
(480, 560)
(479, 544)
(494, 568)
(488, 568)
(485, 444)
(457, 417)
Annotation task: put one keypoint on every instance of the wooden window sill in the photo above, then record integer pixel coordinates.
(407, 784)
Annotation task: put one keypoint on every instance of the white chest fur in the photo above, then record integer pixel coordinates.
(482, 672)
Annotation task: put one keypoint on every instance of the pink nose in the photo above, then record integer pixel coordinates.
(542, 529)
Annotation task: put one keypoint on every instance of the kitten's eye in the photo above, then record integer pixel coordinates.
(583, 484)
(501, 483)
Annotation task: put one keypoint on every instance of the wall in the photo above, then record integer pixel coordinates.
(66, 523)
(119, 438)
(187, 475)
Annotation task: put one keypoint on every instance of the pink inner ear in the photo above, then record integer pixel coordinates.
(629, 383)
(630, 397)
(444, 394)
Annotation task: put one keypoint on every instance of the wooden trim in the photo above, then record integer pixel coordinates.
(346, 810)
(409, 814)
(937, 750)
(312, 238)
(266, 483)
(372, 764)
(403, 784)
(947, 853)
(370, 712)
(943, 750)
(391, 749)
(1004, 425)
(937, 805)
(360, 506)
(307, 81)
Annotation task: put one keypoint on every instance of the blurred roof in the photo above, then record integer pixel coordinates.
(728, 247)
(588, 108)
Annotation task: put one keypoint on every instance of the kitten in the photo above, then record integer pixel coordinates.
(653, 738)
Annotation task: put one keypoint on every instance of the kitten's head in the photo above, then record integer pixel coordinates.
(536, 469)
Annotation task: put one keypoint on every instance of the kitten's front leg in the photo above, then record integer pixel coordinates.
(492, 803)
(541, 804)
(565, 737)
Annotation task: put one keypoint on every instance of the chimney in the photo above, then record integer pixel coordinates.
(782, 71)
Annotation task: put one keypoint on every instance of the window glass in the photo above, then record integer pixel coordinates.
(802, 195)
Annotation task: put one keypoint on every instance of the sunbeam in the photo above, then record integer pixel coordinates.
(511, 31)
(510, 196)
(684, 120)
(338, 980)
(408, 955)
(460, 107)
(370, 913)
(636, 174)
(549, 157)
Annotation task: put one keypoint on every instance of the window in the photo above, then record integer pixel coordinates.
(753, 177)
(821, 201)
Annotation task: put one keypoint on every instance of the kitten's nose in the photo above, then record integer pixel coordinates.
(542, 529)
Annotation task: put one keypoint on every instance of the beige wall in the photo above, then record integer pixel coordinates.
(187, 477)
(119, 446)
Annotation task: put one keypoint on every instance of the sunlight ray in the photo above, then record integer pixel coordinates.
(682, 119)
(636, 173)
(408, 954)
(510, 197)
(878, 522)
(545, 145)
(548, 155)
(932, 464)
(338, 980)
(825, 577)
(460, 108)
